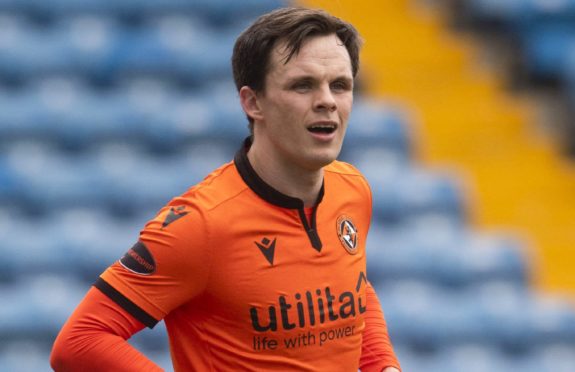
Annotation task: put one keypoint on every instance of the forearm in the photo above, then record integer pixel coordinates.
(94, 338)
(377, 353)
(99, 352)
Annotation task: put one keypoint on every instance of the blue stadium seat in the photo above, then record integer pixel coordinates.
(36, 308)
(479, 357)
(552, 320)
(223, 11)
(144, 52)
(429, 317)
(64, 182)
(555, 357)
(544, 30)
(407, 253)
(63, 111)
(24, 357)
(498, 314)
(119, 178)
(161, 356)
(10, 185)
(487, 257)
(413, 193)
(98, 49)
(518, 320)
(153, 340)
(22, 116)
(569, 76)
(376, 125)
(26, 254)
(139, 181)
(67, 113)
(185, 120)
(51, 180)
(559, 10)
(546, 47)
(229, 122)
(415, 360)
(445, 255)
(90, 40)
(80, 242)
(498, 10)
(520, 12)
(76, 117)
(217, 11)
(34, 52)
(196, 117)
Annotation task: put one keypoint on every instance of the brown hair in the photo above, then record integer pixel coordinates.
(251, 55)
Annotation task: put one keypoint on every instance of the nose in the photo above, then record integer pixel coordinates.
(324, 100)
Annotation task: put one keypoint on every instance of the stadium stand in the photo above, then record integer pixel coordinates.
(98, 96)
(542, 32)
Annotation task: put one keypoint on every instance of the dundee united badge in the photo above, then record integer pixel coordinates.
(347, 233)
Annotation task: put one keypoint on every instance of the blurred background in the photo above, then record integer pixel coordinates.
(463, 123)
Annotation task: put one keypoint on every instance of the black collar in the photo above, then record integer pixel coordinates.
(260, 187)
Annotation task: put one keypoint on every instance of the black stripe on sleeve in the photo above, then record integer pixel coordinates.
(125, 303)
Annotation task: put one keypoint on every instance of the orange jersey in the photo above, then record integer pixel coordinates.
(245, 281)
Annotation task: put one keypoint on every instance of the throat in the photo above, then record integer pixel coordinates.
(287, 178)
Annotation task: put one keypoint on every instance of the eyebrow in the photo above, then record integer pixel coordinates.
(310, 78)
(299, 79)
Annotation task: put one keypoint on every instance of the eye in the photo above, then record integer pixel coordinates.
(302, 86)
(340, 86)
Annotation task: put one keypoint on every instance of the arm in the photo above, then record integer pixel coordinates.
(94, 338)
(376, 350)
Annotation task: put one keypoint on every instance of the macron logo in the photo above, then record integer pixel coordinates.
(267, 248)
(174, 215)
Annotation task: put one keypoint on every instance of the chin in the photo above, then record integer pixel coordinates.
(321, 160)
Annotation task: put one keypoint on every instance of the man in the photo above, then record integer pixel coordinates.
(262, 265)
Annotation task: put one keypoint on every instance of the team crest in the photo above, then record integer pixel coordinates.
(347, 233)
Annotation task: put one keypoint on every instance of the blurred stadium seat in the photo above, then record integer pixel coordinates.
(446, 255)
(544, 31)
(546, 48)
(380, 125)
(413, 193)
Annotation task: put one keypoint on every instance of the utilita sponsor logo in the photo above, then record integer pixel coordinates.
(310, 308)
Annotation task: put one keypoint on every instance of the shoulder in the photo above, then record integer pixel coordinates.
(348, 175)
(219, 187)
(340, 169)
(343, 168)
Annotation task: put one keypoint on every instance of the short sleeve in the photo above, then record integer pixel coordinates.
(166, 267)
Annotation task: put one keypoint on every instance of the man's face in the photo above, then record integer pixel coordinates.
(306, 103)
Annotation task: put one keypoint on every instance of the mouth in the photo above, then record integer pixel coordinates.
(323, 127)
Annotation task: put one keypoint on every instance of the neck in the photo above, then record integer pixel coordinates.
(285, 177)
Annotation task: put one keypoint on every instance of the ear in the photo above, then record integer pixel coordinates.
(250, 103)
